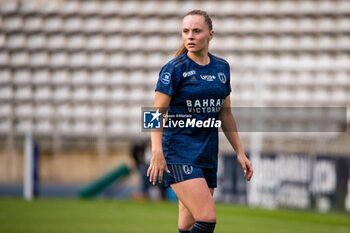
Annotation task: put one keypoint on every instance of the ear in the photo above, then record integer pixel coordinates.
(211, 34)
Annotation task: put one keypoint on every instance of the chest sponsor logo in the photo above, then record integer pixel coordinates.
(188, 73)
(165, 78)
(209, 78)
(222, 77)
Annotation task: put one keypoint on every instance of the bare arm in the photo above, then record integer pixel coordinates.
(228, 125)
(158, 163)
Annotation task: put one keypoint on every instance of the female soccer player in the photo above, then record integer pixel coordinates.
(194, 87)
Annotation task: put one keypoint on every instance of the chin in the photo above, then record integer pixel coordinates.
(193, 50)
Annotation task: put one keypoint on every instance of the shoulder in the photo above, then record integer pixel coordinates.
(176, 62)
(219, 60)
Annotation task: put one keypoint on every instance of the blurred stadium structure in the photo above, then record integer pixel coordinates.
(76, 74)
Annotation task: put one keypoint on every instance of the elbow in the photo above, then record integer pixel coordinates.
(224, 115)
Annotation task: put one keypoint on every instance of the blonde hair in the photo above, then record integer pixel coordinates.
(207, 19)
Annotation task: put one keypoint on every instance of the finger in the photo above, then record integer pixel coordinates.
(250, 173)
(150, 174)
(249, 176)
(154, 176)
(160, 176)
(244, 169)
(149, 170)
(166, 169)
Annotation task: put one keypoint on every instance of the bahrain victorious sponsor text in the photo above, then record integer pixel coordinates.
(204, 105)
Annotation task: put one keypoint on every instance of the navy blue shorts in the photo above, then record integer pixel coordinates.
(179, 173)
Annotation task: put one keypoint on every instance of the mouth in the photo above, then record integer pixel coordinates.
(191, 44)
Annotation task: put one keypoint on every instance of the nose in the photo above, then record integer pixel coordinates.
(190, 35)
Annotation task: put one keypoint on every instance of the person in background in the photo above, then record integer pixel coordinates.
(142, 154)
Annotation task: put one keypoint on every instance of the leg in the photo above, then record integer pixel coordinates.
(186, 220)
(196, 196)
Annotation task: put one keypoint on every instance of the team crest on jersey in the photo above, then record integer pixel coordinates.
(222, 77)
(187, 169)
(165, 78)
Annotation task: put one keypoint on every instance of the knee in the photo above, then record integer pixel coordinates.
(186, 223)
(206, 216)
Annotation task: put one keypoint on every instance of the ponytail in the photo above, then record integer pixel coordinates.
(207, 19)
(181, 50)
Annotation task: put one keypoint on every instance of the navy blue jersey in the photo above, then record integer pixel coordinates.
(196, 92)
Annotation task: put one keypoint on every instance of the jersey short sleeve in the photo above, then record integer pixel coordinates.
(167, 80)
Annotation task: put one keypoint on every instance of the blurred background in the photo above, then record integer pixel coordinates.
(74, 76)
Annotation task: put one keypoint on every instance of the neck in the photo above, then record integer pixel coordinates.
(200, 57)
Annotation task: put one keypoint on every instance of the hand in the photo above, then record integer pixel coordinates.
(246, 166)
(157, 167)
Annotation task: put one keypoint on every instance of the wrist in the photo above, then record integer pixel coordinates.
(157, 152)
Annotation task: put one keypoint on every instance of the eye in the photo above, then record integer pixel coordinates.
(197, 30)
(185, 30)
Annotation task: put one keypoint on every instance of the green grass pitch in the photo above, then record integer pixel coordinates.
(107, 216)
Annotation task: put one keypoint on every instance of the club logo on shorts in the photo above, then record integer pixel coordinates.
(222, 77)
(165, 78)
(187, 169)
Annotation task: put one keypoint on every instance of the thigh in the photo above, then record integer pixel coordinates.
(196, 197)
(184, 212)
